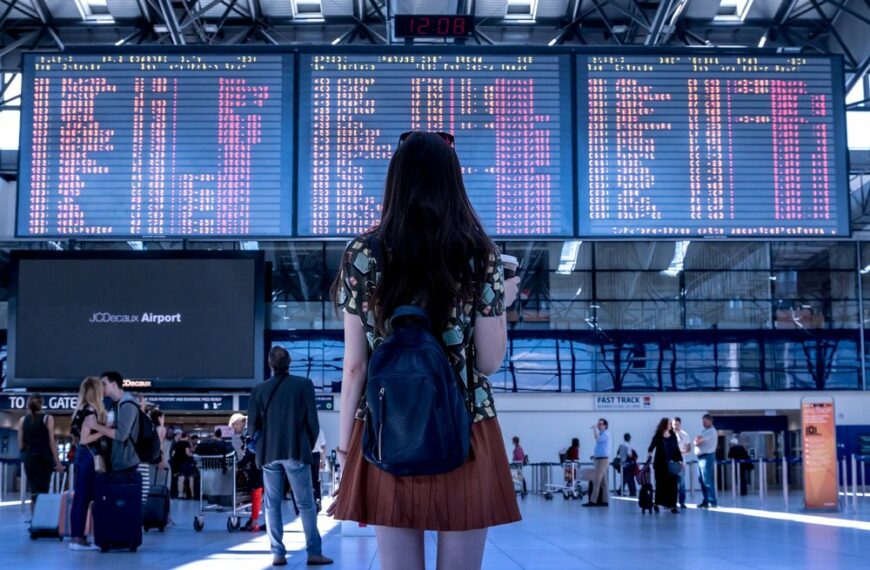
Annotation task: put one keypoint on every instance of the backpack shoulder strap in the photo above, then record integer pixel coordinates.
(262, 429)
(135, 425)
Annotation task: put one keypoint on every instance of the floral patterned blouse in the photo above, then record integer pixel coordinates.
(359, 277)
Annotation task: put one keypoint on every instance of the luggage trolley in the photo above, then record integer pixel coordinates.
(572, 487)
(518, 479)
(219, 491)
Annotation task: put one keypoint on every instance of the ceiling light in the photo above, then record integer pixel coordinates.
(568, 259)
(676, 265)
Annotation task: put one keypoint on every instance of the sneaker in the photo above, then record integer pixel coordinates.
(683, 505)
(279, 560)
(83, 546)
(318, 560)
(704, 506)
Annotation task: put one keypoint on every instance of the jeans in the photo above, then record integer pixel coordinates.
(299, 475)
(629, 471)
(681, 482)
(86, 477)
(706, 465)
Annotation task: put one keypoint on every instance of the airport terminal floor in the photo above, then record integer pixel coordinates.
(558, 534)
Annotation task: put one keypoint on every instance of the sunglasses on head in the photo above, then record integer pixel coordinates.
(448, 138)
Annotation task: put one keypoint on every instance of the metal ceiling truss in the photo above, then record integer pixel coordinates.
(810, 25)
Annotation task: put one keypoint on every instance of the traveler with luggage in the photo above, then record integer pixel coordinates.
(424, 297)
(118, 503)
(283, 413)
(89, 459)
(573, 453)
(667, 464)
(38, 447)
(627, 457)
(246, 453)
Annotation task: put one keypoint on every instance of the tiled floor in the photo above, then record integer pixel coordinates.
(553, 535)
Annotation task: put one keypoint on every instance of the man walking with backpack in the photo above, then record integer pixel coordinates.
(283, 414)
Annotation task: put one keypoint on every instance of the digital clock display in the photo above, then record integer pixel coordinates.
(439, 26)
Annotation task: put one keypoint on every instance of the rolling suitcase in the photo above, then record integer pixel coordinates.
(47, 513)
(155, 513)
(645, 498)
(118, 511)
(66, 503)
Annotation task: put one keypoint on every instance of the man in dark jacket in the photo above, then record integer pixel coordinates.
(282, 410)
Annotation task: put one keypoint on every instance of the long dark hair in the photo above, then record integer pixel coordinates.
(428, 234)
(664, 425)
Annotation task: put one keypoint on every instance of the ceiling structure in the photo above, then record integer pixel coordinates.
(811, 26)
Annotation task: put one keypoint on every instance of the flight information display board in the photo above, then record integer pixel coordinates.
(711, 145)
(136, 144)
(510, 115)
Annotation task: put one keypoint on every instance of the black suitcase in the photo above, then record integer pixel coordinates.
(645, 498)
(155, 513)
(118, 511)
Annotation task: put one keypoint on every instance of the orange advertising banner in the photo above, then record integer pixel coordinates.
(820, 455)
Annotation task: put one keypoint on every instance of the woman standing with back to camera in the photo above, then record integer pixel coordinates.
(429, 250)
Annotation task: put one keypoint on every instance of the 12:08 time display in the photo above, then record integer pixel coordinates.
(441, 26)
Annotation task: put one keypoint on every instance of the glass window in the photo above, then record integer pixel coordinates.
(646, 255)
(728, 256)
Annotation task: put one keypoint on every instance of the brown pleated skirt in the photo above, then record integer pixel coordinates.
(479, 494)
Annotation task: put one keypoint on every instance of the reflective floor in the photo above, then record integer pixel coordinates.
(554, 534)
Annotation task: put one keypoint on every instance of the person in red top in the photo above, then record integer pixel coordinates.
(519, 456)
(574, 450)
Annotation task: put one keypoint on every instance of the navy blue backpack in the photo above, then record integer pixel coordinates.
(417, 418)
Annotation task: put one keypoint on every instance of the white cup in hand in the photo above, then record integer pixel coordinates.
(511, 287)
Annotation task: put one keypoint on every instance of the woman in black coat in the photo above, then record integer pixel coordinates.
(667, 450)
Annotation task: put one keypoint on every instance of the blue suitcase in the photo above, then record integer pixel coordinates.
(118, 511)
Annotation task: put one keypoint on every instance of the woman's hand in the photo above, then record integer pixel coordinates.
(511, 287)
(330, 510)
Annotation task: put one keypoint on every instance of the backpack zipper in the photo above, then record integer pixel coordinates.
(381, 393)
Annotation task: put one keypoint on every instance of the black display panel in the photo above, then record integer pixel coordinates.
(186, 320)
(510, 114)
(711, 145)
(137, 144)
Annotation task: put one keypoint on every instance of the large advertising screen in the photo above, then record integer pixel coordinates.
(163, 321)
(819, 426)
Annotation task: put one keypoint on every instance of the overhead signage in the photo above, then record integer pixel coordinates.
(166, 402)
(623, 402)
(819, 433)
(324, 402)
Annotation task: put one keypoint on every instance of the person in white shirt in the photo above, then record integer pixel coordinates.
(628, 465)
(318, 461)
(705, 449)
(685, 445)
